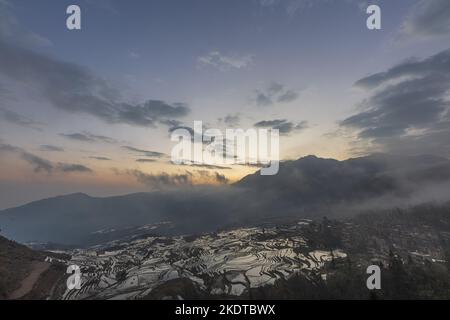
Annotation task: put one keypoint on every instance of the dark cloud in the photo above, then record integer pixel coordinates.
(151, 154)
(284, 126)
(408, 107)
(209, 166)
(68, 167)
(146, 160)
(206, 166)
(171, 123)
(253, 165)
(51, 148)
(275, 92)
(220, 178)
(77, 136)
(88, 137)
(8, 147)
(162, 180)
(20, 120)
(179, 126)
(263, 100)
(214, 177)
(205, 138)
(190, 132)
(39, 164)
(288, 96)
(231, 120)
(151, 112)
(76, 89)
(100, 158)
(428, 18)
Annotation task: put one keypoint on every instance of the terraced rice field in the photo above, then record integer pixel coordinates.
(225, 263)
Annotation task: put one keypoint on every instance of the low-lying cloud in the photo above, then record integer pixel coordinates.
(166, 181)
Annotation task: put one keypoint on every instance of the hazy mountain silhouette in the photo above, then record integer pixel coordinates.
(315, 180)
(304, 187)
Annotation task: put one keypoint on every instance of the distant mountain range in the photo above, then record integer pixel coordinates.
(304, 187)
(316, 181)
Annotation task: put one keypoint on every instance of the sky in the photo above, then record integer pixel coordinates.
(91, 110)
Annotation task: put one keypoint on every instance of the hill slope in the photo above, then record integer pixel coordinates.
(24, 273)
(304, 187)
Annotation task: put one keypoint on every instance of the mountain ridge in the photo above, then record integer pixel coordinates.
(304, 187)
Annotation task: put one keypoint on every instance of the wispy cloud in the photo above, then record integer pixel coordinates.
(20, 120)
(275, 93)
(39, 164)
(427, 19)
(408, 108)
(88, 137)
(100, 158)
(225, 62)
(51, 148)
(205, 166)
(146, 160)
(293, 8)
(12, 31)
(230, 120)
(68, 167)
(285, 127)
(73, 88)
(147, 153)
(134, 55)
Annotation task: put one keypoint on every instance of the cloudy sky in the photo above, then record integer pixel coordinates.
(92, 110)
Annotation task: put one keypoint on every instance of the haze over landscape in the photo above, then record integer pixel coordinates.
(86, 118)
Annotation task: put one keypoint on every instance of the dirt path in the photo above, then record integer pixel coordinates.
(28, 283)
